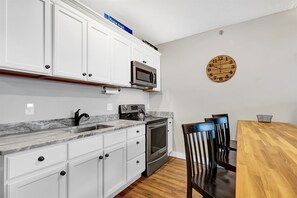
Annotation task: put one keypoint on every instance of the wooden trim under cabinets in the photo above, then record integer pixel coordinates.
(52, 78)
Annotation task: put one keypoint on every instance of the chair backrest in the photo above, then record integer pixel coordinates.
(222, 115)
(223, 131)
(200, 146)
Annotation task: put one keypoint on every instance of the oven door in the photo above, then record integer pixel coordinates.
(143, 75)
(156, 140)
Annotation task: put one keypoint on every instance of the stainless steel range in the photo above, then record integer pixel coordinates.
(156, 135)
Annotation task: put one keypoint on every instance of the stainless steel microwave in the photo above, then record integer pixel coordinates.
(142, 75)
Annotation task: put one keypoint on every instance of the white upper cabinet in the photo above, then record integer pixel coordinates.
(120, 57)
(98, 53)
(52, 38)
(25, 41)
(137, 53)
(70, 50)
(142, 55)
(157, 66)
(148, 58)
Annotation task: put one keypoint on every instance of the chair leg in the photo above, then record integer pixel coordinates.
(189, 190)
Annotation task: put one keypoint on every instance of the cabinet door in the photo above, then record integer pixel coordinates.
(114, 168)
(148, 58)
(158, 68)
(170, 136)
(50, 184)
(25, 35)
(69, 44)
(121, 69)
(85, 177)
(170, 140)
(137, 53)
(98, 53)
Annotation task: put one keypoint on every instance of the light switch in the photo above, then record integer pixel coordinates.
(29, 109)
(109, 106)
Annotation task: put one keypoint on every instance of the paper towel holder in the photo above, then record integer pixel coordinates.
(111, 90)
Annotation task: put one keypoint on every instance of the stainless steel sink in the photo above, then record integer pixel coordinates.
(89, 128)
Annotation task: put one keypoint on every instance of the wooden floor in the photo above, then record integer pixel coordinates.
(168, 181)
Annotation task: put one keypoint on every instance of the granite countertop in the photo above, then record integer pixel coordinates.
(21, 142)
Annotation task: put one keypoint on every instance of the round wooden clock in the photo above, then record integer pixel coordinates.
(221, 68)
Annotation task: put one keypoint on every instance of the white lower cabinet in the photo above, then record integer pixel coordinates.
(114, 168)
(91, 167)
(135, 152)
(86, 177)
(135, 147)
(170, 136)
(49, 184)
(135, 167)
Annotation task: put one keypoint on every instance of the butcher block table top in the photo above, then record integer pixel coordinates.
(266, 160)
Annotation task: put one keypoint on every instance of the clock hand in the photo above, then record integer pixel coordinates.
(216, 67)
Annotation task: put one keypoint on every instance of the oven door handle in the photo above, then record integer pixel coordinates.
(153, 126)
(158, 158)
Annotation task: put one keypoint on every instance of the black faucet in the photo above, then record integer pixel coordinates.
(77, 117)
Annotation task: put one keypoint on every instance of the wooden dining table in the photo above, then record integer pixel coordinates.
(266, 160)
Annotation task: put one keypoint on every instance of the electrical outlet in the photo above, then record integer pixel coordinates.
(147, 106)
(29, 109)
(109, 106)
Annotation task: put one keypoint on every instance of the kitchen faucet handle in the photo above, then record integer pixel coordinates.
(87, 117)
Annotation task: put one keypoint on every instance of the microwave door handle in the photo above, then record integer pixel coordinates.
(155, 79)
(152, 77)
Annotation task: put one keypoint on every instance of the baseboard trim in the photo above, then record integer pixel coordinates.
(178, 155)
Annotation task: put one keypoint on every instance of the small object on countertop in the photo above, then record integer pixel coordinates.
(117, 23)
(264, 118)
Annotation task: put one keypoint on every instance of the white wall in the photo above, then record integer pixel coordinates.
(55, 100)
(265, 81)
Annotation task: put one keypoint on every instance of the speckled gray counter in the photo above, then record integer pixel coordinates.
(21, 142)
(33, 126)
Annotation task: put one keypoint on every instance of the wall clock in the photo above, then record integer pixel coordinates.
(221, 68)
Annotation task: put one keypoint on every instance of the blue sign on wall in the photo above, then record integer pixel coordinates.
(117, 23)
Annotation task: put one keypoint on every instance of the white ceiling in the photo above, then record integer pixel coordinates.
(160, 21)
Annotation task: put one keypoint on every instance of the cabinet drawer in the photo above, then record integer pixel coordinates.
(84, 146)
(135, 131)
(23, 163)
(114, 138)
(135, 147)
(135, 166)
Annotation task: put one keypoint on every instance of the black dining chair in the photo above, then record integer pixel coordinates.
(233, 143)
(203, 174)
(226, 157)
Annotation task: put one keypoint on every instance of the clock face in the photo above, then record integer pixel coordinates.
(221, 68)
